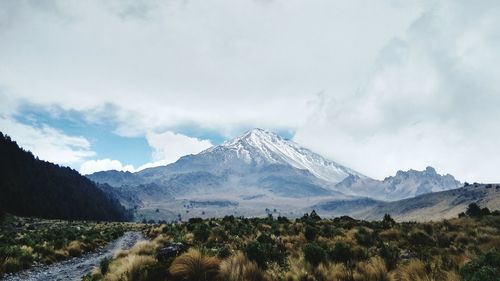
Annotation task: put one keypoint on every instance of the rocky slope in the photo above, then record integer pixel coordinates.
(430, 206)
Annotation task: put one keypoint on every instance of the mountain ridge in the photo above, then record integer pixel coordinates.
(404, 184)
(257, 170)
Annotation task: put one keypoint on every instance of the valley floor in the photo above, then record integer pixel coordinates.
(271, 248)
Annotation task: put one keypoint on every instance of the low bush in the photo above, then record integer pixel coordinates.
(314, 254)
(310, 233)
(420, 239)
(341, 252)
(390, 254)
(255, 252)
(201, 232)
(364, 237)
(484, 268)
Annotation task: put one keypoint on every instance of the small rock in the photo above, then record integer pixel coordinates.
(170, 251)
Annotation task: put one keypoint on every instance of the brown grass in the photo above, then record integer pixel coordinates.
(130, 267)
(331, 272)
(144, 248)
(373, 270)
(75, 248)
(413, 271)
(239, 268)
(390, 234)
(194, 266)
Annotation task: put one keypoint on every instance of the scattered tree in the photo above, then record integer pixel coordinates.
(314, 216)
(473, 210)
(388, 221)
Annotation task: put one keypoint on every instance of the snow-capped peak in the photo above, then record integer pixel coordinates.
(262, 147)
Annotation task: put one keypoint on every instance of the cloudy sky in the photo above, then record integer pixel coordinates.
(378, 86)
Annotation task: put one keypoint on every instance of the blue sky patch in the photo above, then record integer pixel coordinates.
(106, 144)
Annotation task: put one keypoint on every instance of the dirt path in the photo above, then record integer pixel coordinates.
(75, 268)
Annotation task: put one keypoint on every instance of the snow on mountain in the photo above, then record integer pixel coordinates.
(260, 170)
(258, 161)
(260, 147)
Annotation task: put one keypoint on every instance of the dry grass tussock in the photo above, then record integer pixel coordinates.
(130, 267)
(332, 272)
(144, 248)
(239, 268)
(413, 271)
(75, 248)
(130, 264)
(300, 270)
(373, 270)
(194, 266)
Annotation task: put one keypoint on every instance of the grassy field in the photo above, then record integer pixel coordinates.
(25, 242)
(237, 249)
(311, 248)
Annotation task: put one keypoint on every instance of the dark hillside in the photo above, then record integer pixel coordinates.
(32, 187)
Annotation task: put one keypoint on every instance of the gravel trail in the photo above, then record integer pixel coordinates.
(76, 268)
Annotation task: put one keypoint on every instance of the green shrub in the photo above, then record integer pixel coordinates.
(364, 237)
(265, 250)
(255, 252)
(310, 233)
(329, 231)
(224, 252)
(104, 265)
(484, 268)
(265, 239)
(201, 232)
(419, 238)
(314, 254)
(341, 252)
(390, 254)
(15, 259)
(11, 265)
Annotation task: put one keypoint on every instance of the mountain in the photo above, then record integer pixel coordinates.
(257, 160)
(404, 184)
(261, 148)
(430, 206)
(31, 187)
(256, 171)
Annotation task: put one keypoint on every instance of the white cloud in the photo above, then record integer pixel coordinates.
(431, 99)
(403, 84)
(92, 166)
(48, 143)
(168, 146)
(218, 64)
